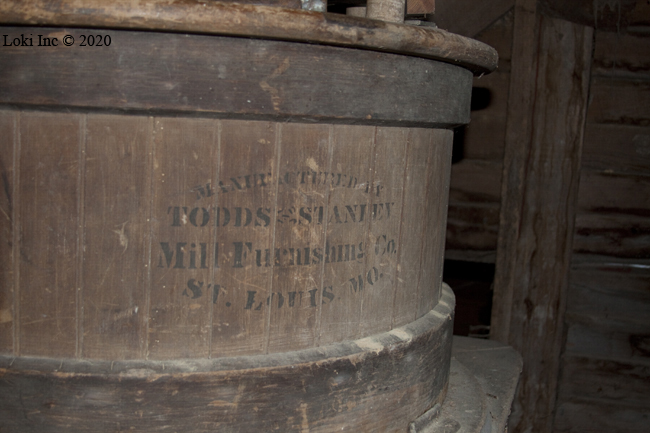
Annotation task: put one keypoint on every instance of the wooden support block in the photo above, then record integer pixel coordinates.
(356, 11)
(420, 7)
(391, 11)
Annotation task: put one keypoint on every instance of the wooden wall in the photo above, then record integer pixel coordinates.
(605, 371)
(604, 379)
(475, 190)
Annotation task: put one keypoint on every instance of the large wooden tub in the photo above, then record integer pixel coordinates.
(209, 224)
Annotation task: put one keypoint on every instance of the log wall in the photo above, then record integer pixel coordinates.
(475, 190)
(605, 370)
(604, 378)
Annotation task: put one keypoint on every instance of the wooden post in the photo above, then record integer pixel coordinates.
(549, 88)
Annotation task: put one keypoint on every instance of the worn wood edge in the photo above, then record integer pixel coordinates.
(465, 407)
(437, 321)
(384, 100)
(269, 22)
(379, 382)
(205, 114)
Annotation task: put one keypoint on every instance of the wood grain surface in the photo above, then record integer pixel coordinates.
(117, 201)
(387, 177)
(546, 114)
(248, 153)
(7, 203)
(347, 247)
(298, 280)
(175, 197)
(50, 190)
(180, 306)
(171, 237)
(605, 376)
(420, 7)
(417, 169)
(267, 22)
(233, 77)
(380, 383)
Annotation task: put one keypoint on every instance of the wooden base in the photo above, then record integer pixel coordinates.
(379, 383)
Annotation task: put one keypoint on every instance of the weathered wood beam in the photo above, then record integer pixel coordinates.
(549, 87)
(469, 17)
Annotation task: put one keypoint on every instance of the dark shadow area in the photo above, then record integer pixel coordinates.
(481, 99)
(458, 149)
(472, 285)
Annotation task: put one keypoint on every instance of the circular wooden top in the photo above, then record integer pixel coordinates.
(265, 22)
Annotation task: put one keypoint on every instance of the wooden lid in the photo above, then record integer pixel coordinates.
(265, 22)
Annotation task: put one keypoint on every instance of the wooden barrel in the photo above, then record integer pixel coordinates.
(208, 232)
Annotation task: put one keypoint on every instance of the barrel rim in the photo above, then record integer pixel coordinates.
(176, 75)
(385, 383)
(431, 323)
(255, 21)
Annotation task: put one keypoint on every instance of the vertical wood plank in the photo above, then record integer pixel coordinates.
(386, 197)
(246, 209)
(49, 195)
(7, 182)
(546, 114)
(429, 285)
(185, 155)
(348, 217)
(299, 232)
(412, 221)
(519, 124)
(117, 208)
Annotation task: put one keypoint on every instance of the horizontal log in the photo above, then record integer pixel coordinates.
(475, 181)
(596, 336)
(608, 381)
(607, 308)
(621, 54)
(605, 192)
(472, 227)
(617, 290)
(612, 234)
(619, 101)
(596, 417)
(615, 148)
(473, 214)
